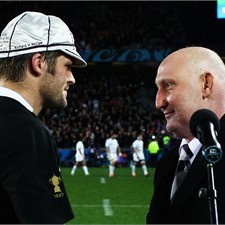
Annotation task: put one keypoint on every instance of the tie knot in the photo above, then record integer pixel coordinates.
(187, 154)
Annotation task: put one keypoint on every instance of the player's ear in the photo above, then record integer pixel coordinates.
(37, 64)
(207, 84)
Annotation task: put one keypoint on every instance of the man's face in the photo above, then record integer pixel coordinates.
(56, 85)
(178, 96)
(114, 136)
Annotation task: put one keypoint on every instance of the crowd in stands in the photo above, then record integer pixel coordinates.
(129, 25)
(115, 24)
(105, 98)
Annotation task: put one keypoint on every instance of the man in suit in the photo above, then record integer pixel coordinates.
(188, 79)
(37, 52)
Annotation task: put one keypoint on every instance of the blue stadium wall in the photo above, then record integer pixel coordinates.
(129, 55)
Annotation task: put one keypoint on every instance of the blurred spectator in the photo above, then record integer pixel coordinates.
(118, 25)
(153, 149)
(92, 155)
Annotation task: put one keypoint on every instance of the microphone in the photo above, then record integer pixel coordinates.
(204, 125)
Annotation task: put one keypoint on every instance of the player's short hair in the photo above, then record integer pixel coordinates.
(13, 68)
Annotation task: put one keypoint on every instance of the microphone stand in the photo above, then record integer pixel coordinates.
(212, 155)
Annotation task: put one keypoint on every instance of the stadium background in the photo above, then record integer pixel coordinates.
(123, 43)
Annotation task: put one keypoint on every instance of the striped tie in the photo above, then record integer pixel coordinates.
(182, 168)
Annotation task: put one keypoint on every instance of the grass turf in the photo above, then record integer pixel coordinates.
(98, 199)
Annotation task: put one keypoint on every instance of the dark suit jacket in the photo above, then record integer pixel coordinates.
(187, 207)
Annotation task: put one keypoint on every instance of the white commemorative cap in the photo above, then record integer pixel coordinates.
(32, 32)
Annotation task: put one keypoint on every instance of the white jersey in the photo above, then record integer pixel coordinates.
(79, 151)
(138, 145)
(138, 155)
(112, 144)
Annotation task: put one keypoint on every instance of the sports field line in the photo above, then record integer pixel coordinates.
(102, 180)
(107, 207)
(113, 206)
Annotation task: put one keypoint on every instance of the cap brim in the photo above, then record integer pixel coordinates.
(79, 62)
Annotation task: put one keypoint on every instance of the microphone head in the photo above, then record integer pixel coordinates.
(202, 116)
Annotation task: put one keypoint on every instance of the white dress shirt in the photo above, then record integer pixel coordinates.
(194, 146)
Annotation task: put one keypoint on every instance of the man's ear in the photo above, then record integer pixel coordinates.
(207, 84)
(37, 64)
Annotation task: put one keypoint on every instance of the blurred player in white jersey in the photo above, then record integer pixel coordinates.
(80, 158)
(113, 151)
(138, 155)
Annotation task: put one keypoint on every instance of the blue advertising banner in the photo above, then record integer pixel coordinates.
(128, 55)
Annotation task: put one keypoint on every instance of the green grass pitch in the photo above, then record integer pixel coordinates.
(98, 199)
